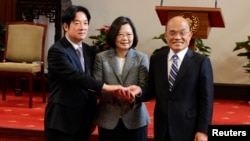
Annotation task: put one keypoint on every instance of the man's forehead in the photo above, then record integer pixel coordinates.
(178, 27)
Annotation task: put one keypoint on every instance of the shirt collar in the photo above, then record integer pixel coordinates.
(180, 54)
(73, 44)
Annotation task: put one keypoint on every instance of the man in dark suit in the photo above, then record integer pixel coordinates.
(72, 101)
(183, 110)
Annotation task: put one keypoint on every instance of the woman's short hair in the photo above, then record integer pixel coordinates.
(114, 30)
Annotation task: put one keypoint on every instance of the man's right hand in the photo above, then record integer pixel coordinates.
(111, 88)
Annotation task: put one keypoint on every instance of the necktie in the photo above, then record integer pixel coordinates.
(80, 55)
(173, 72)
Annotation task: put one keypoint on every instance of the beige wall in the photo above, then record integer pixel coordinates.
(226, 65)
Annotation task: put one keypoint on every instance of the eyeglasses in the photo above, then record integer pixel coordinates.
(175, 33)
(122, 35)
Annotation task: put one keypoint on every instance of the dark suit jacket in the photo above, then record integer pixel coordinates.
(70, 104)
(188, 108)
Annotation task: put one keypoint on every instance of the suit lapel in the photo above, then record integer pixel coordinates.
(72, 52)
(164, 69)
(161, 67)
(114, 64)
(87, 62)
(129, 63)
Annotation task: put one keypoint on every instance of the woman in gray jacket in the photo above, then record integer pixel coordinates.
(117, 118)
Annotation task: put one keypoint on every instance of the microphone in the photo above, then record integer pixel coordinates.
(215, 4)
(161, 2)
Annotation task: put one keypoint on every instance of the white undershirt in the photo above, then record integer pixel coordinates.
(121, 62)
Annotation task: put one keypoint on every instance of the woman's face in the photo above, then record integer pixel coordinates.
(125, 37)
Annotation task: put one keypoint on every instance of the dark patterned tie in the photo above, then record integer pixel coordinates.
(173, 72)
(80, 55)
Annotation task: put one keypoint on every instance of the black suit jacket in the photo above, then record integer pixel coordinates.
(188, 108)
(70, 104)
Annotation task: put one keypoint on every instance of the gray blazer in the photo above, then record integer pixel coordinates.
(135, 72)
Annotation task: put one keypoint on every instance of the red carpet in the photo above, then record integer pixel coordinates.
(16, 114)
(231, 112)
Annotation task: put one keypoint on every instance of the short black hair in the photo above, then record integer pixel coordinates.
(115, 27)
(70, 13)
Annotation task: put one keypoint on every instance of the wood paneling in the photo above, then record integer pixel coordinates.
(12, 134)
(52, 9)
(232, 91)
(7, 10)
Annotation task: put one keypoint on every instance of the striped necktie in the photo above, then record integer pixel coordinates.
(173, 72)
(80, 55)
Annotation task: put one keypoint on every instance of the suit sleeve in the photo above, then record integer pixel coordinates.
(148, 91)
(62, 64)
(206, 95)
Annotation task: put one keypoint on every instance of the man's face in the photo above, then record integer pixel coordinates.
(78, 28)
(178, 34)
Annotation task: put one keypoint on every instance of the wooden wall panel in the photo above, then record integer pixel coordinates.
(7, 10)
(12, 134)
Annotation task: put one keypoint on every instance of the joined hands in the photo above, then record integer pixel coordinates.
(127, 93)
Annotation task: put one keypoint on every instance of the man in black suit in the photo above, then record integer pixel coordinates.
(72, 101)
(183, 110)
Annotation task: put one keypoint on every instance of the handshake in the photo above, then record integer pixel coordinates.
(127, 93)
